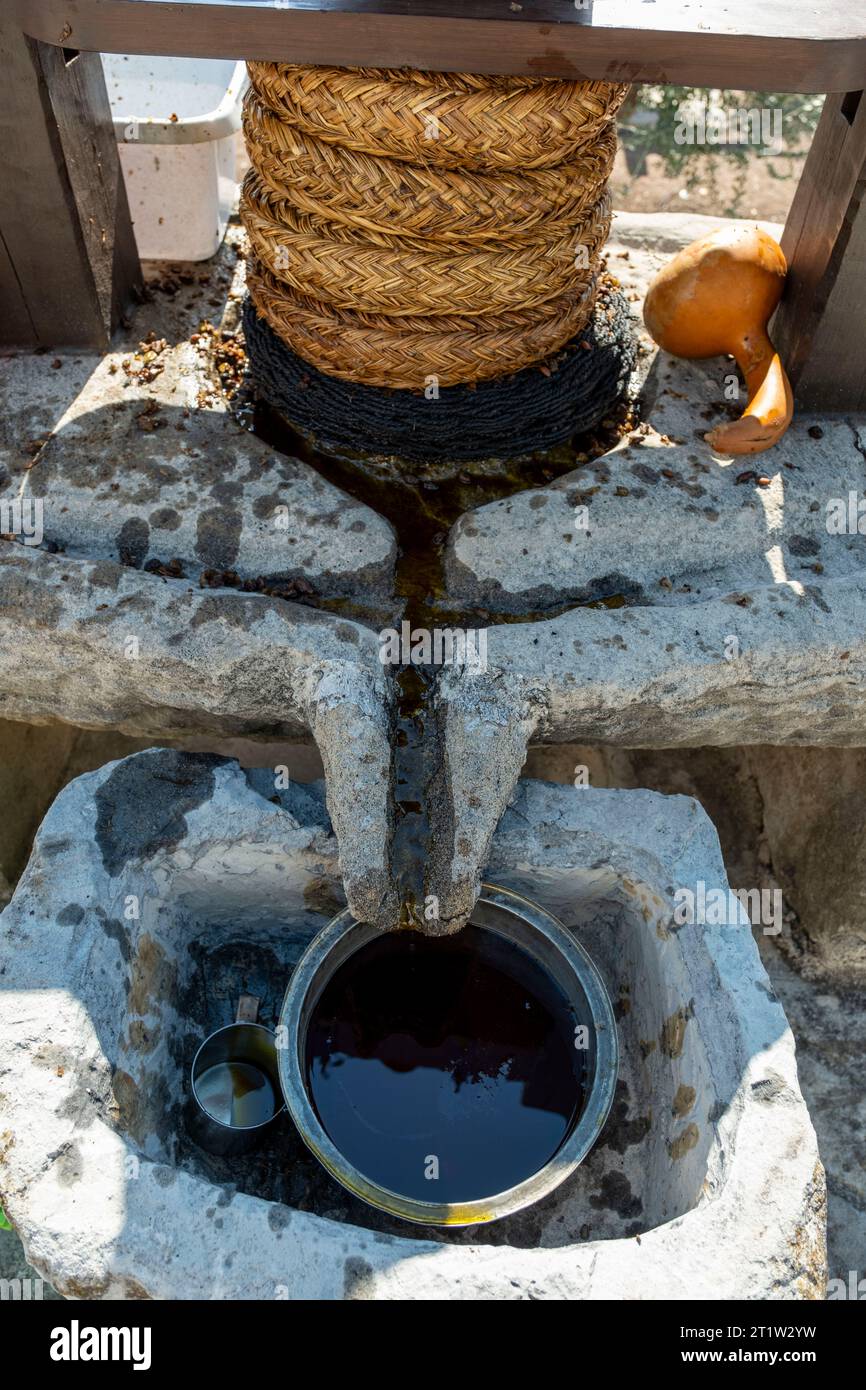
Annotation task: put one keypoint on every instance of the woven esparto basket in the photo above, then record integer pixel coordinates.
(453, 120)
(393, 198)
(377, 274)
(406, 225)
(536, 408)
(403, 351)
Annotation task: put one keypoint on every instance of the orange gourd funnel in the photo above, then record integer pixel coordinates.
(717, 296)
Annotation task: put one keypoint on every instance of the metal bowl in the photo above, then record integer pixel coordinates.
(536, 931)
(237, 1042)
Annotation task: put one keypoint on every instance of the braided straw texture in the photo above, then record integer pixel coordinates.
(392, 197)
(535, 408)
(379, 274)
(403, 351)
(456, 121)
(406, 225)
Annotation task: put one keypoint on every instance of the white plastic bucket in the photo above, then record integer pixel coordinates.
(177, 123)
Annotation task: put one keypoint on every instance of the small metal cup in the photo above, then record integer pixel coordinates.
(215, 1113)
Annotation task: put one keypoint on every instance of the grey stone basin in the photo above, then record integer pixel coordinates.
(162, 886)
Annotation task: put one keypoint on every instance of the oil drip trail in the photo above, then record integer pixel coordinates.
(421, 507)
(415, 748)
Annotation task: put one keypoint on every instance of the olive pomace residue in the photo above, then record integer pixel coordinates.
(444, 1069)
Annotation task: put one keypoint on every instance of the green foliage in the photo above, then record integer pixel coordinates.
(4, 1224)
(650, 119)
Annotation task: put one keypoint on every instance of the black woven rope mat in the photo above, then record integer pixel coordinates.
(532, 409)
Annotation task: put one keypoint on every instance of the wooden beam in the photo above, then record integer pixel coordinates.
(819, 327)
(68, 265)
(777, 45)
(16, 326)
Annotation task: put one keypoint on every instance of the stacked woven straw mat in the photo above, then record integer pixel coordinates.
(405, 225)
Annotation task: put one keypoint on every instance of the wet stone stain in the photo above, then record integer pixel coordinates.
(323, 895)
(218, 534)
(683, 1101)
(616, 1195)
(119, 933)
(624, 1131)
(144, 1112)
(357, 1279)
(279, 1217)
(803, 546)
(69, 1167)
(142, 805)
(133, 542)
(105, 575)
(165, 519)
(71, 915)
(673, 1034)
(686, 1141)
(770, 1087)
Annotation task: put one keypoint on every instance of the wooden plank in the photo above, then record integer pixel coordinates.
(777, 45)
(83, 114)
(64, 219)
(37, 220)
(17, 326)
(819, 325)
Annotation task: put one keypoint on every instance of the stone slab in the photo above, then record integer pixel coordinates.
(97, 644)
(135, 457)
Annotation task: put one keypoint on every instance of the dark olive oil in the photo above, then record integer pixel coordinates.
(444, 1069)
